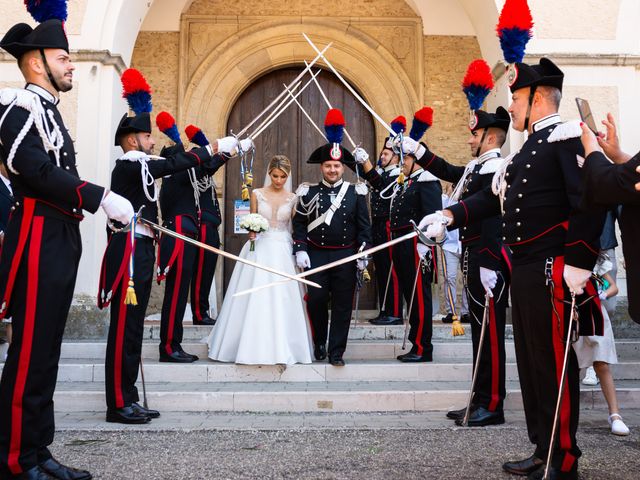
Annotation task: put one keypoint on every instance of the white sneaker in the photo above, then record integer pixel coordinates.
(617, 425)
(590, 377)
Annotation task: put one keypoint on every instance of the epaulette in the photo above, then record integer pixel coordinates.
(491, 166)
(19, 97)
(395, 172)
(361, 188)
(303, 189)
(427, 177)
(565, 131)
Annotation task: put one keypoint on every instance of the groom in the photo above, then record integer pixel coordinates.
(331, 222)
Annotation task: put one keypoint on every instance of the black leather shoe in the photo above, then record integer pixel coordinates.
(35, 473)
(523, 467)
(448, 318)
(456, 414)
(320, 352)
(336, 361)
(206, 320)
(378, 317)
(415, 358)
(62, 472)
(388, 321)
(140, 410)
(177, 357)
(554, 474)
(126, 415)
(192, 355)
(481, 417)
(465, 318)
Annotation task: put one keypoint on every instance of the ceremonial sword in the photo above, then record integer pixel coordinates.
(222, 253)
(416, 233)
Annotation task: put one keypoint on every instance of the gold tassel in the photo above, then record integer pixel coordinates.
(245, 192)
(456, 328)
(401, 178)
(365, 276)
(248, 179)
(130, 298)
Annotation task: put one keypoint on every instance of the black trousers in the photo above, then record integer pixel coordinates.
(203, 271)
(382, 260)
(489, 389)
(338, 285)
(540, 332)
(40, 302)
(407, 263)
(124, 342)
(179, 257)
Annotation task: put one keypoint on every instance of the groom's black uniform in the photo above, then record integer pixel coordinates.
(338, 236)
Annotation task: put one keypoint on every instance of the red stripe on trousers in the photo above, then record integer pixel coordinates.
(495, 358)
(394, 276)
(420, 300)
(117, 364)
(33, 263)
(203, 239)
(27, 215)
(557, 328)
(176, 289)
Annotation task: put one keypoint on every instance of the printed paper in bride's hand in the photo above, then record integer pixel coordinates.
(254, 222)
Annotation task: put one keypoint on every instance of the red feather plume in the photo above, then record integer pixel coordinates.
(400, 120)
(334, 117)
(478, 73)
(165, 121)
(133, 81)
(425, 115)
(515, 14)
(191, 130)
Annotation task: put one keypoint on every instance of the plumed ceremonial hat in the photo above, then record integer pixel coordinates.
(334, 128)
(482, 119)
(21, 38)
(137, 92)
(546, 73)
(398, 124)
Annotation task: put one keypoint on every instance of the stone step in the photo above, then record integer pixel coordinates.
(312, 397)
(390, 371)
(360, 331)
(356, 349)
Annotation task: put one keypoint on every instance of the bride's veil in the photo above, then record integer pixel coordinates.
(287, 186)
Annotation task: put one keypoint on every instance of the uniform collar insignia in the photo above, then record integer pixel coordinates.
(416, 173)
(546, 122)
(32, 87)
(493, 153)
(334, 185)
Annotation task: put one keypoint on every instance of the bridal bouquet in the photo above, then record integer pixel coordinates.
(254, 222)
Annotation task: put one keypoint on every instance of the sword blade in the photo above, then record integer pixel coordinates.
(305, 113)
(222, 253)
(350, 88)
(275, 100)
(336, 263)
(485, 318)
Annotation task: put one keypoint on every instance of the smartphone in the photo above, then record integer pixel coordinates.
(586, 115)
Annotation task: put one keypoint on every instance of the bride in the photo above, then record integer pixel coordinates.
(269, 326)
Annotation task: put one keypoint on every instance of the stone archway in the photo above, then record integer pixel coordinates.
(216, 84)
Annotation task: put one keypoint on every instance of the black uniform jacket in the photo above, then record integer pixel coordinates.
(42, 184)
(483, 235)
(127, 180)
(380, 207)
(349, 228)
(608, 184)
(542, 216)
(420, 196)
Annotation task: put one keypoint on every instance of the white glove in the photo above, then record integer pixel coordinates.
(434, 225)
(227, 144)
(422, 249)
(361, 263)
(246, 144)
(360, 155)
(302, 259)
(117, 208)
(411, 147)
(603, 295)
(489, 279)
(576, 278)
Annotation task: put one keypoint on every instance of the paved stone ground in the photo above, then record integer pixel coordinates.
(325, 446)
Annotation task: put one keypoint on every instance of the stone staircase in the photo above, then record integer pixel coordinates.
(372, 381)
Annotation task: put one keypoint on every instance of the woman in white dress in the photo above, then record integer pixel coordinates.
(269, 326)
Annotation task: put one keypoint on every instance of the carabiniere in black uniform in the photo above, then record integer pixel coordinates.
(386, 274)
(482, 247)
(346, 232)
(40, 255)
(133, 177)
(545, 228)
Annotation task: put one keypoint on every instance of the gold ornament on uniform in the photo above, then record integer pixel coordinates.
(365, 276)
(248, 179)
(401, 178)
(130, 298)
(245, 192)
(456, 327)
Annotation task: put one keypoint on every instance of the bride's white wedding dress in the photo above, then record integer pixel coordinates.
(269, 326)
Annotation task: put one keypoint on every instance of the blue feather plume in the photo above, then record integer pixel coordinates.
(513, 42)
(43, 10)
(476, 95)
(335, 133)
